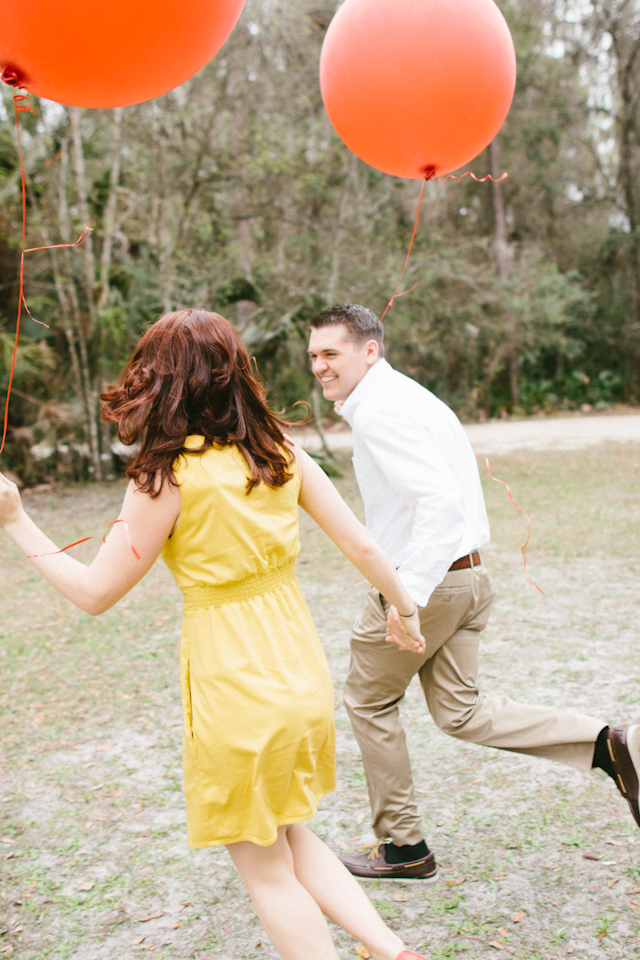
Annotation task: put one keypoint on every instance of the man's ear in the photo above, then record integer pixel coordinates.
(372, 352)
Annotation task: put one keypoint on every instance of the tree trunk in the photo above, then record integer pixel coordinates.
(85, 323)
(110, 210)
(334, 275)
(504, 260)
(317, 419)
(627, 50)
(83, 208)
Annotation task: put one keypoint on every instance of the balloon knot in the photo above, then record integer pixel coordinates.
(12, 76)
(429, 172)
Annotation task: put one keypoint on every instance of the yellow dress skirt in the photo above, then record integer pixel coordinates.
(259, 742)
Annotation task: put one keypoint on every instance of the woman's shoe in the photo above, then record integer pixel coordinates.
(408, 955)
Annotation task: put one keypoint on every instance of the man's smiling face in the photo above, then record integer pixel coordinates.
(338, 362)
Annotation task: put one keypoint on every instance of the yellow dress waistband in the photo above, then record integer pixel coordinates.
(204, 595)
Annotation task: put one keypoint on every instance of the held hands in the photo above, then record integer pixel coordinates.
(405, 631)
(10, 502)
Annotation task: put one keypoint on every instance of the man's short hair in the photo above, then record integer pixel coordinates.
(361, 324)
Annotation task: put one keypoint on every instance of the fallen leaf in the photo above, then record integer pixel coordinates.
(134, 943)
(86, 886)
(498, 946)
(635, 890)
(461, 836)
(177, 924)
(503, 932)
(456, 883)
(592, 856)
(154, 916)
(401, 896)
(93, 819)
(418, 790)
(479, 780)
(8, 949)
(519, 916)
(613, 882)
(359, 818)
(570, 949)
(187, 903)
(6, 840)
(615, 843)
(362, 951)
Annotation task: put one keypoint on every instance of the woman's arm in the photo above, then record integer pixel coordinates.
(320, 499)
(116, 569)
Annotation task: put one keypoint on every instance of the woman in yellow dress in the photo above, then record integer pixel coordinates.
(215, 490)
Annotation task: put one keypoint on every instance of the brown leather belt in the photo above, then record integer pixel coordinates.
(470, 560)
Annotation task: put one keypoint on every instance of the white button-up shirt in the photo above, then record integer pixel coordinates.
(418, 477)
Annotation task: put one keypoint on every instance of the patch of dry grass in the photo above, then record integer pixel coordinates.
(93, 834)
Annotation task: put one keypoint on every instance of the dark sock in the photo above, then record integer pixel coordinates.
(601, 755)
(410, 851)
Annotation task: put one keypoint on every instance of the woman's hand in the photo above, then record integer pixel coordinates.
(405, 631)
(10, 502)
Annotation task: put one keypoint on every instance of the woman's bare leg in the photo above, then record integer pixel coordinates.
(339, 895)
(297, 879)
(289, 914)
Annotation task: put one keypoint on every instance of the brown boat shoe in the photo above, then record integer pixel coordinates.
(372, 865)
(624, 750)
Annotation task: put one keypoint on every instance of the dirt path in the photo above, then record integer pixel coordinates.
(497, 437)
(538, 861)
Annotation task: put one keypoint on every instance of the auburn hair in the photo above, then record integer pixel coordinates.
(190, 373)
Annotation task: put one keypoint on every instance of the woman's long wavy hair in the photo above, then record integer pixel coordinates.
(191, 374)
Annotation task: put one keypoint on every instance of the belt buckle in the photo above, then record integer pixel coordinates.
(471, 563)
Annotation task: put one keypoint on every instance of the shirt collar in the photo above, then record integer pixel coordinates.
(372, 377)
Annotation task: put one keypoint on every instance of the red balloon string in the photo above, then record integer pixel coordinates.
(21, 104)
(481, 456)
(54, 553)
(406, 259)
(453, 176)
(430, 176)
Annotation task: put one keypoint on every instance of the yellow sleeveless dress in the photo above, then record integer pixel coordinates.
(259, 742)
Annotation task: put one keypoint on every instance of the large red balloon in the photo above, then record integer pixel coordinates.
(415, 87)
(110, 53)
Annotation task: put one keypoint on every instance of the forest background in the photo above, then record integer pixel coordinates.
(234, 193)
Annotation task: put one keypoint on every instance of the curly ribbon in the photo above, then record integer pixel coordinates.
(481, 456)
(430, 176)
(54, 553)
(21, 104)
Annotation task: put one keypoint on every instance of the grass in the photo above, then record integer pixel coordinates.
(93, 833)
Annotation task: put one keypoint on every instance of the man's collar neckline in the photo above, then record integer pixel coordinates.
(357, 394)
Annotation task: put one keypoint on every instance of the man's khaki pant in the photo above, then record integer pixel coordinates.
(380, 672)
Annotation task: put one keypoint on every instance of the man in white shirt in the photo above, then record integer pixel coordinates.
(424, 505)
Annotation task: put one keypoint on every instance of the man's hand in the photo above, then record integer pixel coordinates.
(405, 631)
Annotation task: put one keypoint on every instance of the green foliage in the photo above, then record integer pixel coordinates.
(234, 193)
